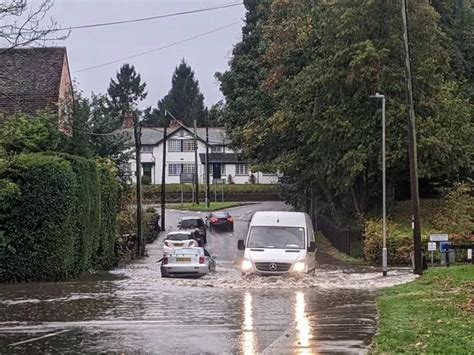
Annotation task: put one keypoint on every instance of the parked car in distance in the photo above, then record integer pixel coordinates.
(188, 262)
(221, 220)
(195, 223)
(179, 239)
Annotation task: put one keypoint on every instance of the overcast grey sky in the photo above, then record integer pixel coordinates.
(89, 47)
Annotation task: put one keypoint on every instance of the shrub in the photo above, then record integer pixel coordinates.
(146, 180)
(453, 215)
(60, 221)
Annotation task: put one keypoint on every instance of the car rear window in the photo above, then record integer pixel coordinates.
(191, 223)
(221, 215)
(178, 237)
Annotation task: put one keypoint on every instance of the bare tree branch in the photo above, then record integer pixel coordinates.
(22, 25)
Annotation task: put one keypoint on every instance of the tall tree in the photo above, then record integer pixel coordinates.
(297, 97)
(184, 100)
(106, 139)
(152, 117)
(126, 91)
(457, 21)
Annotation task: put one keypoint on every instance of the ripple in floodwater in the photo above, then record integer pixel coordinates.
(229, 277)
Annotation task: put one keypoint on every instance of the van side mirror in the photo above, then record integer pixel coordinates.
(312, 247)
(240, 244)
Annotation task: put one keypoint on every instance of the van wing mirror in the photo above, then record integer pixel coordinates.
(241, 244)
(312, 247)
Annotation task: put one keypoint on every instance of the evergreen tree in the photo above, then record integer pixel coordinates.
(78, 142)
(184, 100)
(105, 138)
(152, 117)
(126, 91)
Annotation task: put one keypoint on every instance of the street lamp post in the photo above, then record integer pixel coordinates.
(384, 188)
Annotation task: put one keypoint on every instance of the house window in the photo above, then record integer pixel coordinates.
(174, 145)
(216, 149)
(147, 172)
(189, 168)
(188, 145)
(241, 169)
(174, 169)
(147, 149)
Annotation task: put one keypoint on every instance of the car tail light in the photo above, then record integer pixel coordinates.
(213, 220)
(165, 261)
(202, 260)
(230, 220)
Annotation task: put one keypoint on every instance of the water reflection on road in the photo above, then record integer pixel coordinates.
(302, 324)
(133, 310)
(248, 346)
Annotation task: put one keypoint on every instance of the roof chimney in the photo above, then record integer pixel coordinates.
(127, 121)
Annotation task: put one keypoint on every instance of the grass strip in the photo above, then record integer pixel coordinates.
(434, 314)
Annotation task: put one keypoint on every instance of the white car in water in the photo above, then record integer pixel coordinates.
(179, 239)
(188, 262)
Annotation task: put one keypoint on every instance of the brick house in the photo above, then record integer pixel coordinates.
(33, 79)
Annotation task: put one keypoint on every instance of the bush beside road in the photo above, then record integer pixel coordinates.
(232, 192)
(213, 206)
(451, 215)
(58, 218)
(433, 314)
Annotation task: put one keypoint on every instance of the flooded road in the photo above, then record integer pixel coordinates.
(133, 310)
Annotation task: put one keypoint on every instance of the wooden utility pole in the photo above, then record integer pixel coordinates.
(163, 179)
(138, 171)
(208, 189)
(196, 176)
(415, 198)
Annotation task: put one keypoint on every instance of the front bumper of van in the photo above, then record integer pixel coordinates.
(272, 268)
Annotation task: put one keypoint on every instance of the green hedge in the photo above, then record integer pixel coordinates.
(228, 188)
(58, 219)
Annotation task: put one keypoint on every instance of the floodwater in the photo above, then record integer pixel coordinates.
(133, 310)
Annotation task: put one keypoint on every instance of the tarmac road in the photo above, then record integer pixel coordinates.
(133, 310)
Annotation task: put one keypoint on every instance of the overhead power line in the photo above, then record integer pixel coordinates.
(157, 49)
(150, 18)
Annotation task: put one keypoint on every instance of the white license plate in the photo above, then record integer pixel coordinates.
(183, 260)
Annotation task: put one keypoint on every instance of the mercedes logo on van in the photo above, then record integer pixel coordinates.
(272, 267)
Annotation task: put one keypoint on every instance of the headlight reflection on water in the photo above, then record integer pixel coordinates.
(302, 325)
(249, 341)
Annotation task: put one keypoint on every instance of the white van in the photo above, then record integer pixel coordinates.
(279, 242)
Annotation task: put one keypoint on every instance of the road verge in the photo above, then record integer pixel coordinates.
(434, 314)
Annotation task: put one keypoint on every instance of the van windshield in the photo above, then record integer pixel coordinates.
(276, 237)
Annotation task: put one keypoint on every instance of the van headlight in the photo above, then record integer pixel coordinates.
(299, 266)
(247, 265)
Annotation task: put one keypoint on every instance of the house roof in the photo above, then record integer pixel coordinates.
(223, 158)
(30, 78)
(154, 136)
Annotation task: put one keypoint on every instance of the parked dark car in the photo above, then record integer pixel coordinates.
(196, 223)
(221, 220)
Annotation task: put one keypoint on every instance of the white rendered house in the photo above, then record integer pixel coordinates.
(180, 157)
